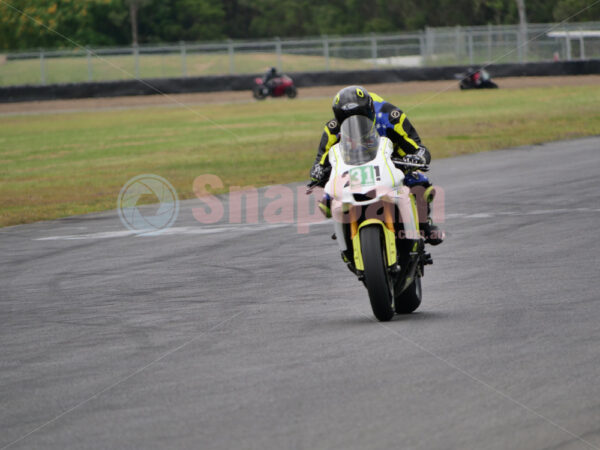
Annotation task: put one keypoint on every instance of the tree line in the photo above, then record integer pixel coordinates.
(28, 24)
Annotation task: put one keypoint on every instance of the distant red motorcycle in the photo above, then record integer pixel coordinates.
(279, 87)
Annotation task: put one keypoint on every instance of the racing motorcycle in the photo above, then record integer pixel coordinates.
(478, 79)
(375, 218)
(280, 86)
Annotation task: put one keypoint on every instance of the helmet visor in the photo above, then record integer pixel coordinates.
(359, 140)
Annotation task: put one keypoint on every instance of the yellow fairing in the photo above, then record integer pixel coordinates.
(390, 244)
(413, 204)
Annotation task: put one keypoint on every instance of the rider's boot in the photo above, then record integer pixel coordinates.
(433, 234)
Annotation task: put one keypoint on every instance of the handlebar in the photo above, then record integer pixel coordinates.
(414, 166)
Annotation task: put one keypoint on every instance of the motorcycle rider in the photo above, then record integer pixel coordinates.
(474, 77)
(391, 122)
(269, 77)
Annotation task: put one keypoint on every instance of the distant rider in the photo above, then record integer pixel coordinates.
(391, 122)
(271, 75)
(475, 77)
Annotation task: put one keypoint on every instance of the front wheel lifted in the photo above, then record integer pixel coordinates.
(375, 270)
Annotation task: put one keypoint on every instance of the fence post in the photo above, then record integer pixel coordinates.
(183, 50)
(489, 44)
(374, 49)
(519, 46)
(458, 46)
(42, 67)
(89, 64)
(470, 44)
(278, 52)
(524, 42)
(422, 47)
(136, 62)
(526, 46)
(581, 47)
(568, 42)
(326, 51)
(231, 53)
(429, 43)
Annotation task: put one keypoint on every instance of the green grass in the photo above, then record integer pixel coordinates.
(55, 165)
(72, 70)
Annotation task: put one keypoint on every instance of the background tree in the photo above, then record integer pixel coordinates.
(134, 7)
(182, 20)
(85, 22)
(121, 22)
(577, 10)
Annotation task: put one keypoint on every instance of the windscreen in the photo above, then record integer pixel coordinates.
(359, 140)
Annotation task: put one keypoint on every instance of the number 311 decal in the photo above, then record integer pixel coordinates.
(364, 176)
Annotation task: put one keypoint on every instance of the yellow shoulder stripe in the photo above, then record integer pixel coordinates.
(331, 139)
(399, 128)
(376, 98)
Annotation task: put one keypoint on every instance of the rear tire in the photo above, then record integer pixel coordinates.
(376, 276)
(409, 300)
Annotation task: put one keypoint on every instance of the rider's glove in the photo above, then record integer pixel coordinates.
(422, 156)
(319, 174)
(414, 159)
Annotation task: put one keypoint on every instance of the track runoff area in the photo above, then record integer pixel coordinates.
(253, 334)
(95, 104)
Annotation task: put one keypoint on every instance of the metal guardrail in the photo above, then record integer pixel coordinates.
(477, 45)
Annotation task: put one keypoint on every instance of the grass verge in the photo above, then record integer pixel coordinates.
(104, 68)
(56, 165)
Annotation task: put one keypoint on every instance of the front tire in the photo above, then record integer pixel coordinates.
(376, 276)
(291, 92)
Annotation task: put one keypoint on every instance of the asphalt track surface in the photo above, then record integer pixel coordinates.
(255, 336)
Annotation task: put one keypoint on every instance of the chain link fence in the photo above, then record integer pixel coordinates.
(478, 45)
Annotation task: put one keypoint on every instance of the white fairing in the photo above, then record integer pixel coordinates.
(379, 174)
(373, 180)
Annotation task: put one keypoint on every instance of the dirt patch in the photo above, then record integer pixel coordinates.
(411, 87)
(2, 59)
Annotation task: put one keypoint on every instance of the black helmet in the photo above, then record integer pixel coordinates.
(353, 101)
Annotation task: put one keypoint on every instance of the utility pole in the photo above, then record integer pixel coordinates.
(522, 31)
